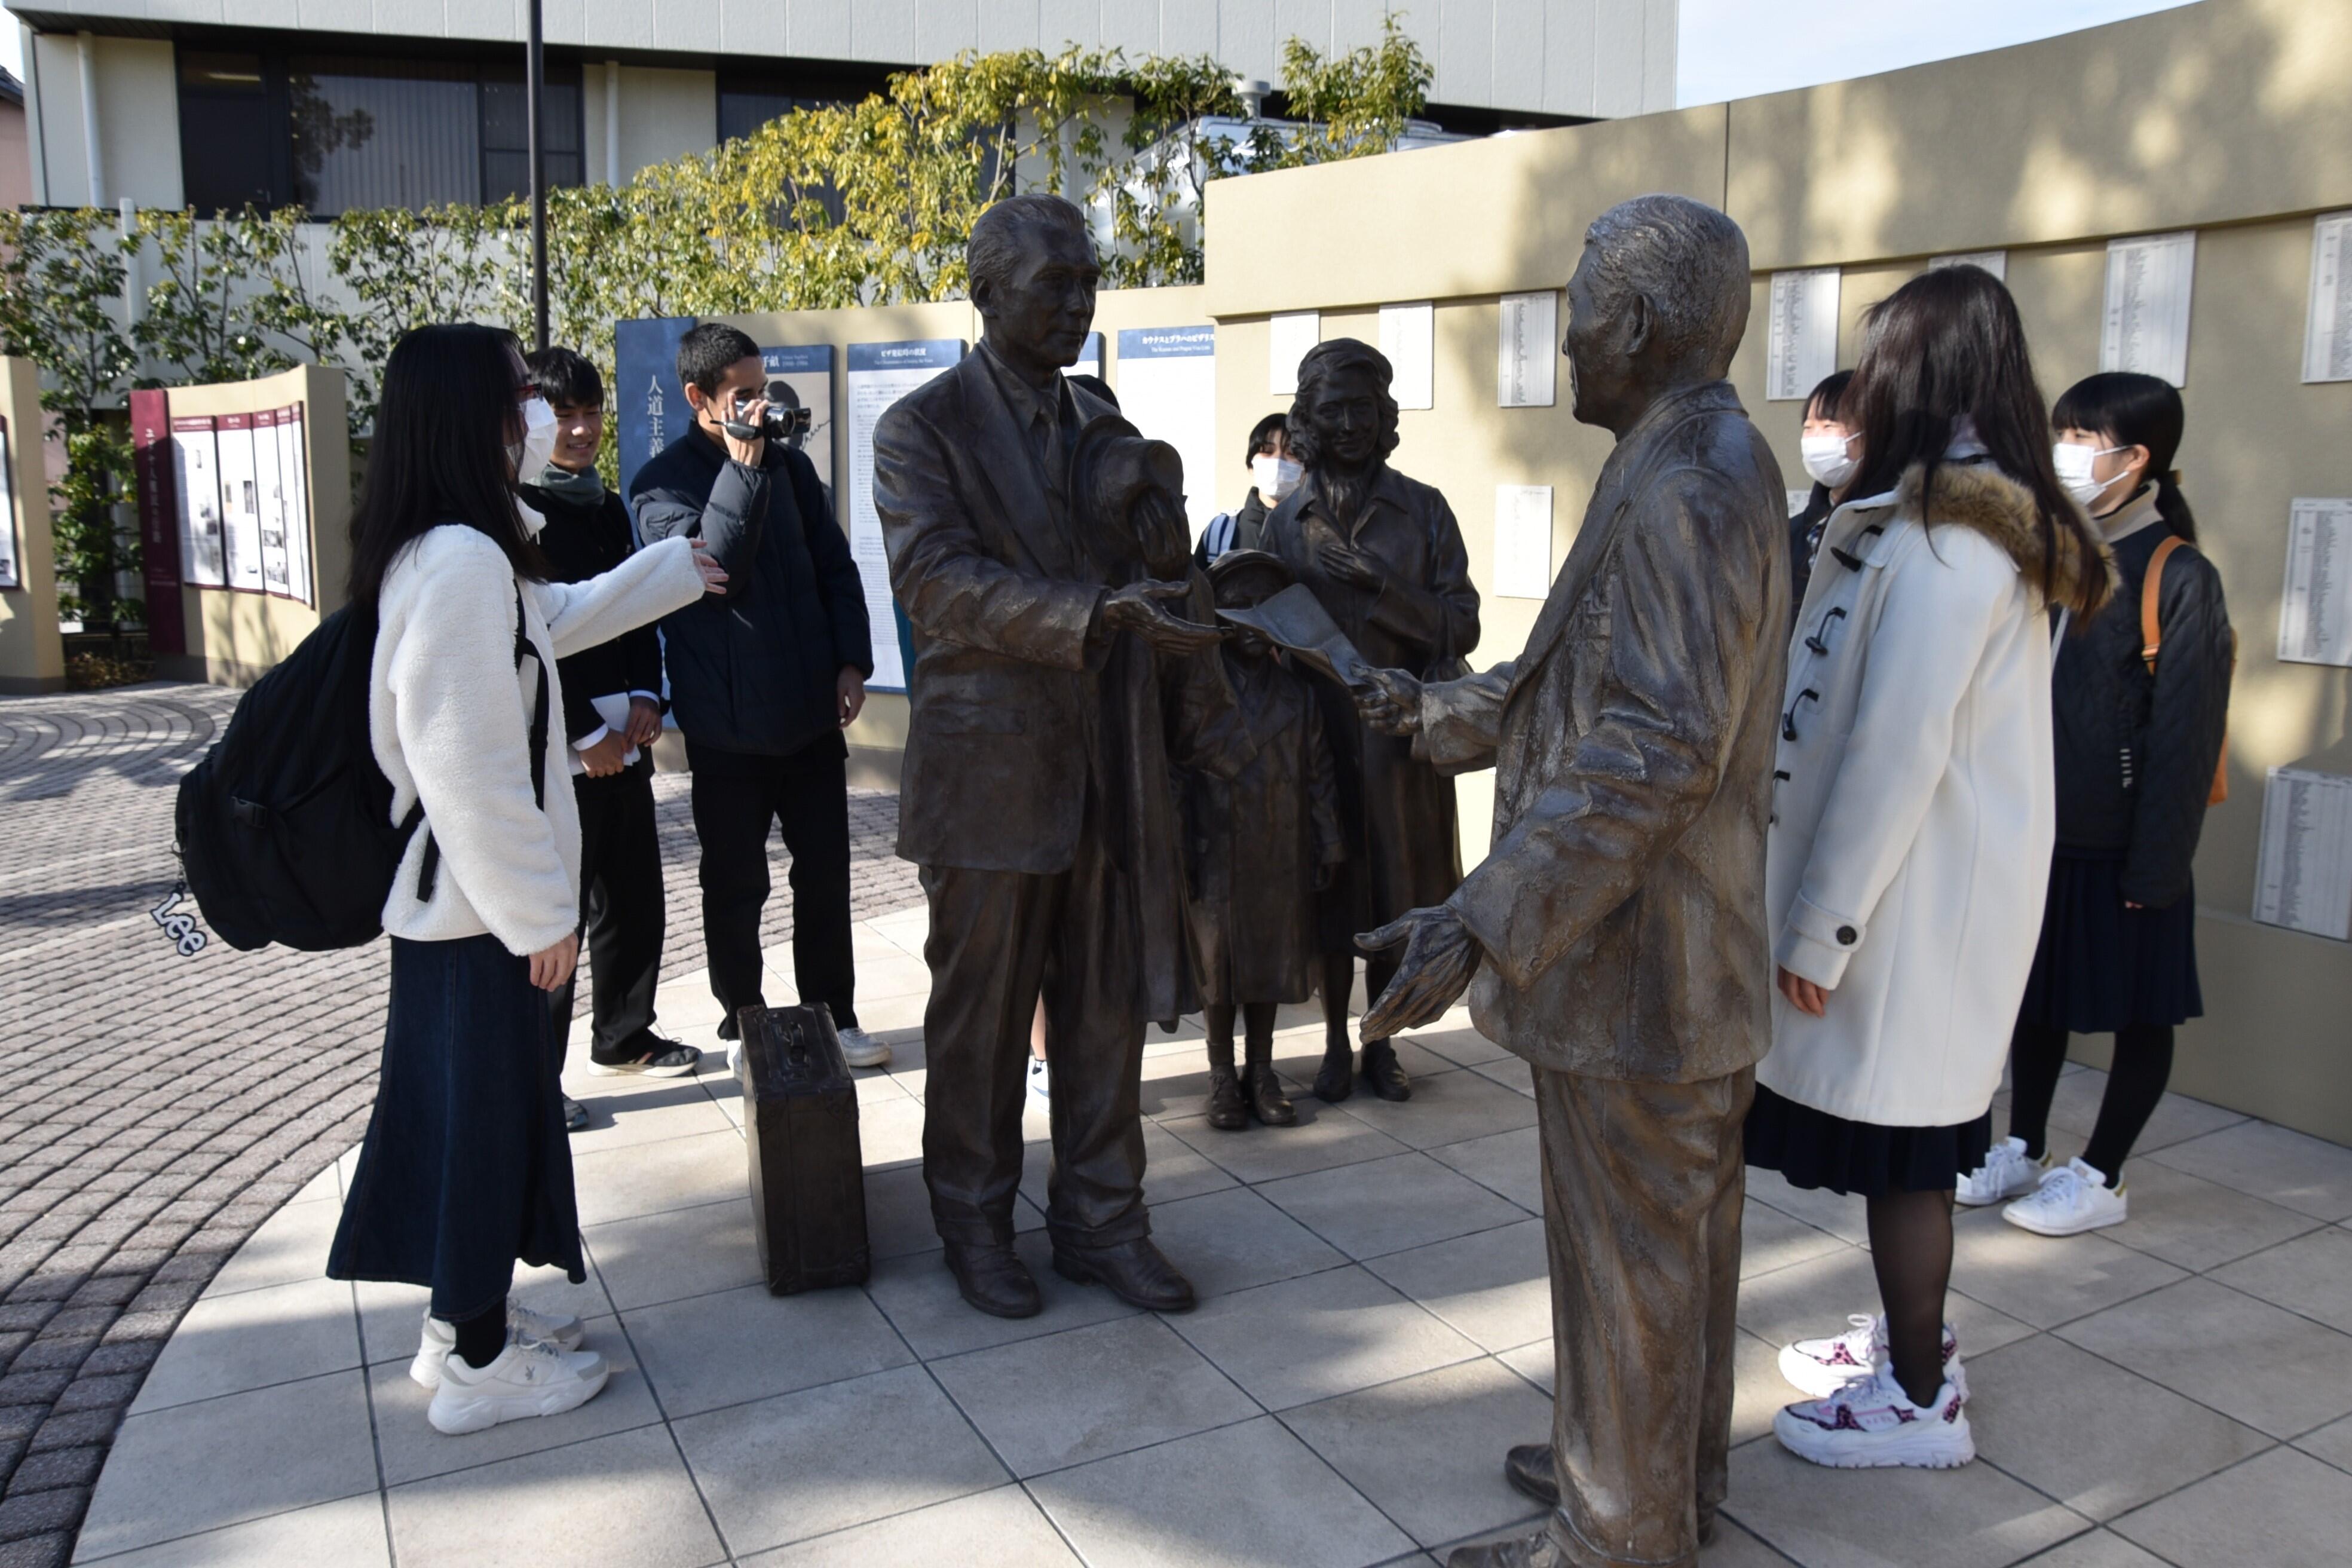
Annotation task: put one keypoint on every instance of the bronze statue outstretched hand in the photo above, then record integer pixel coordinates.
(1440, 957)
(1135, 608)
(1393, 703)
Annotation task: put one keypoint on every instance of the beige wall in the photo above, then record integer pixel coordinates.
(665, 114)
(232, 638)
(138, 116)
(15, 157)
(32, 657)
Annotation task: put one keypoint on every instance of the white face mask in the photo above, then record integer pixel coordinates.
(1276, 477)
(2075, 463)
(1829, 458)
(538, 444)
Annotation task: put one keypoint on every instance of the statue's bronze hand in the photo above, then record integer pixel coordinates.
(1351, 566)
(1135, 608)
(1393, 703)
(1440, 957)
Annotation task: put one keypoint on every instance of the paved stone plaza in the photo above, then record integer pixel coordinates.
(1374, 1326)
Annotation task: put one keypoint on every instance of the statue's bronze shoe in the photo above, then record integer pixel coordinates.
(1529, 1470)
(1266, 1100)
(994, 1280)
(1134, 1271)
(1228, 1110)
(1334, 1080)
(1384, 1072)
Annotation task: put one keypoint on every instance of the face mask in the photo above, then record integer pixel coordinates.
(1276, 477)
(1829, 458)
(2075, 463)
(538, 444)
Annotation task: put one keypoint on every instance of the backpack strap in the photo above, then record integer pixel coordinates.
(428, 864)
(2151, 630)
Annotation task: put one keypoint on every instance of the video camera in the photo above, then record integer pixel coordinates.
(784, 421)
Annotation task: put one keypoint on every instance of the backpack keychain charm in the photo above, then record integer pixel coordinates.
(180, 928)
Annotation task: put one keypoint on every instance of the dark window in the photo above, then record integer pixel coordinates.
(748, 101)
(506, 132)
(232, 142)
(384, 133)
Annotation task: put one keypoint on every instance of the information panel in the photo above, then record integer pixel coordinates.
(2305, 879)
(2328, 328)
(1803, 347)
(240, 501)
(9, 577)
(880, 375)
(294, 473)
(269, 505)
(808, 370)
(1287, 339)
(1527, 350)
(1409, 339)
(1168, 390)
(204, 545)
(1522, 542)
(2315, 607)
(2146, 328)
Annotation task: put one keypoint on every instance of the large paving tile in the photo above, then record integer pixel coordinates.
(1758, 1389)
(289, 1247)
(1735, 1548)
(392, 1317)
(2311, 1275)
(1173, 1169)
(685, 1252)
(1234, 1239)
(1430, 1448)
(2198, 1224)
(278, 1333)
(2098, 1438)
(2283, 1509)
(1447, 1108)
(2176, 1117)
(1840, 1214)
(2332, 1443)
(1509, 1163)
(621, 1498)
(1510, 1072)
(889, 1132)
(2268, 1368)
(1493, 1286)
(2095, 1549)
(1089, 1393)
(999, 1528)
(221, 1461)
(347, 1533)
(919, 1297)
(745, 1344)
(1324, 1138)
(1806, 1300)
(1973, 1517)
(1246, 1494)
(653, 1178)
(2292, 1169)
(1460, 1043)
(659, 1109)
(1390, 1206)
(783, 1469)
(899, 1213)
(1769, 1239)
(411, 1449)
(2043, 1280)
(1322, 1335)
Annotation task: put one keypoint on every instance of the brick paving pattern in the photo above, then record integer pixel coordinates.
(160, 1107)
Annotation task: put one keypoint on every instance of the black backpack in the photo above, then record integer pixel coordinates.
(285, 828)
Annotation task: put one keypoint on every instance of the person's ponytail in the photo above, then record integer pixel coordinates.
(2173, 507)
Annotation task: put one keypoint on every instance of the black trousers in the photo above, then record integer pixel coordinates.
(998, 940)
(622, 914)
(737, 797)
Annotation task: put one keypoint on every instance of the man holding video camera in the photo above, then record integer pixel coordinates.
(763, 678)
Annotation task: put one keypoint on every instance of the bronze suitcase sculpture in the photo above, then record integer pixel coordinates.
(808, 1180)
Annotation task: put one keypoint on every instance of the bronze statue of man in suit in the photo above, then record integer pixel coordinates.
(1616, 929)
(1015, 798)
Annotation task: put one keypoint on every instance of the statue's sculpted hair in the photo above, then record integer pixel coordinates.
(1690, 261)
(1323, 362)
(994, 247)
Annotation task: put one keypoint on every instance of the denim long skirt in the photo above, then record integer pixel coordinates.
(465, 1167)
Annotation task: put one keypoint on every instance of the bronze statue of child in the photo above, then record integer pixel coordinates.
(1263, 844)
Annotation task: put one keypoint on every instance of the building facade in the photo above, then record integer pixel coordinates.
(339, 104)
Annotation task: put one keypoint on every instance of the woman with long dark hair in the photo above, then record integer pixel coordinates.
(464, 1168)
(2141, 700)
(1912, 832)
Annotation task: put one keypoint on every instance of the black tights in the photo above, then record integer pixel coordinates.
(1257, 1018)
(1338, 984)
(2136, 1080)
(1911, 1251)
(481, 1337)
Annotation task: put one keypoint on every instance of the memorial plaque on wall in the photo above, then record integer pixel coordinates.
(294, 473)
(1409, 339)
(240, 501)
(1168, 390)
(2327, 325)
(2304, 880)
(9, 573)
(1527, 350)
(2315, 605)
(204, 542)
(880, 375)
(1802, 344)
(1287, 337)
(2146, 326)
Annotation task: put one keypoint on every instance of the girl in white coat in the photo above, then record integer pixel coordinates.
(1912, 834)
(464, 1168)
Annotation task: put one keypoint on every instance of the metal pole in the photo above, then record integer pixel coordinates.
(534, 91)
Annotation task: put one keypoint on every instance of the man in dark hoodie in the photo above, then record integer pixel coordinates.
(764, 679)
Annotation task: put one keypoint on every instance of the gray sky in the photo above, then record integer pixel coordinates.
(1736, 49)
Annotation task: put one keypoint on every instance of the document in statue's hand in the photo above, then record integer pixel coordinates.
(1295, 620)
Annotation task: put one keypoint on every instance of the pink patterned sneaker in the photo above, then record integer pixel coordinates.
(1821, 1367)
(1871, 1424)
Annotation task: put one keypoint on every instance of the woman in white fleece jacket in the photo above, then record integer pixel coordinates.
(464, 1168)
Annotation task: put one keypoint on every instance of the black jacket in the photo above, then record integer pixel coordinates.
(2136, 752)
(582, 541)
(1249, 532)
(754, 670)
(1804, 544)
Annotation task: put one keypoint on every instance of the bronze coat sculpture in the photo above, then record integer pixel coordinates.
(1616, 928)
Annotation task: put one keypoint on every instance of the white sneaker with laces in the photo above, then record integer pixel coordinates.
(2071, 1199)
(1040, 1083)
(440, 1339)
(531, 1377)
(1871, 1424)
(2008, 1170)
(1821, 1367)
(860, 1049)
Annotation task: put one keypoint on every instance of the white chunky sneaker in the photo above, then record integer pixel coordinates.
(1041, 1084)
(1871, 1423)
(2071, 1199)
(531, 1377)
(440, 1339)
(860, 1049)
(1821, 1367)
(2008, 1170)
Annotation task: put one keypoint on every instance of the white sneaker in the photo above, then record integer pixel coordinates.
(531, 1377)
(440, 1339)
(2008, 1170)
(1872, 1423)
(860, 1049)
(1821, 1367)
(1040, 1083)
(2071, 1199)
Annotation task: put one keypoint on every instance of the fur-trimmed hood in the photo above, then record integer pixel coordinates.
(1980, 496)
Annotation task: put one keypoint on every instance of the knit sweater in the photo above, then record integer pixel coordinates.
(448, 714)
